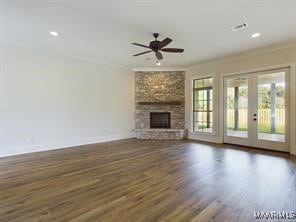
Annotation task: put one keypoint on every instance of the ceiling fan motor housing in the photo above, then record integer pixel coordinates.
(154, 45)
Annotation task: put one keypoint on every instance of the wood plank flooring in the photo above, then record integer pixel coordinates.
(146, 180)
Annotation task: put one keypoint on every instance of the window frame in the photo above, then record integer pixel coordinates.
(209, 99)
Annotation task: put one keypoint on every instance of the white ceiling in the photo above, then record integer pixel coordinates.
(103, 30)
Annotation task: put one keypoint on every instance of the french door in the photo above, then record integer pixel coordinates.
(256, 109)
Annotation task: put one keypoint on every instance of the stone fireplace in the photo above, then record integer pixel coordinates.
(160, 104)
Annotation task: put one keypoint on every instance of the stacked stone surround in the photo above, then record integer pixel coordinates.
(157, 87)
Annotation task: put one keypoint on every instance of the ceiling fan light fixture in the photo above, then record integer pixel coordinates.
(54, 33)
(256, 35)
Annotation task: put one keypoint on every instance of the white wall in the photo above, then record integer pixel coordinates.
(259, 60)
(50, 101)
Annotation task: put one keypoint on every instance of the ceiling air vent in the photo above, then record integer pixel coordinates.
(239, 27)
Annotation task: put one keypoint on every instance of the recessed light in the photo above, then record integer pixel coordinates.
(158, 63)
(256, 35)
(54, 33)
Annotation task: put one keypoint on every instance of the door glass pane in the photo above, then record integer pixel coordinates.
(237, 107)
(271, 107)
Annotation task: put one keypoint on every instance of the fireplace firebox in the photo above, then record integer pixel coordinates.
(160, 120)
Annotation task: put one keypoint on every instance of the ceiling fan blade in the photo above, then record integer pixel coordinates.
(165, 42)
(140, 45)
(158, 55)
(172, 50)
(143, 53)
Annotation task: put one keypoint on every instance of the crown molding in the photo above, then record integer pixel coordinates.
(182, 68)
(155, 69)
(81, 58)
(243, 55)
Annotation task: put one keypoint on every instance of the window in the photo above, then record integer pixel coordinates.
(203, 105)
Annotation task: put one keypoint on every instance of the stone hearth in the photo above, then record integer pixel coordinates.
(160, 134)
(160, 91)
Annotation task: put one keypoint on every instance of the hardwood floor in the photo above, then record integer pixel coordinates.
(144, 180)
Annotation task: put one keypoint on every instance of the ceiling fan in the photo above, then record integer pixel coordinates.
(157, 46)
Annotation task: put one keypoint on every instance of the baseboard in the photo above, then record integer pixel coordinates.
(293, 151)
(205, 137)
(216, 139)
(11, 151)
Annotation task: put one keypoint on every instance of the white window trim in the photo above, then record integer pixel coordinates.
(197, 77)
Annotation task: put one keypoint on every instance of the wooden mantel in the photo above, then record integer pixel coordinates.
(161, 103)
